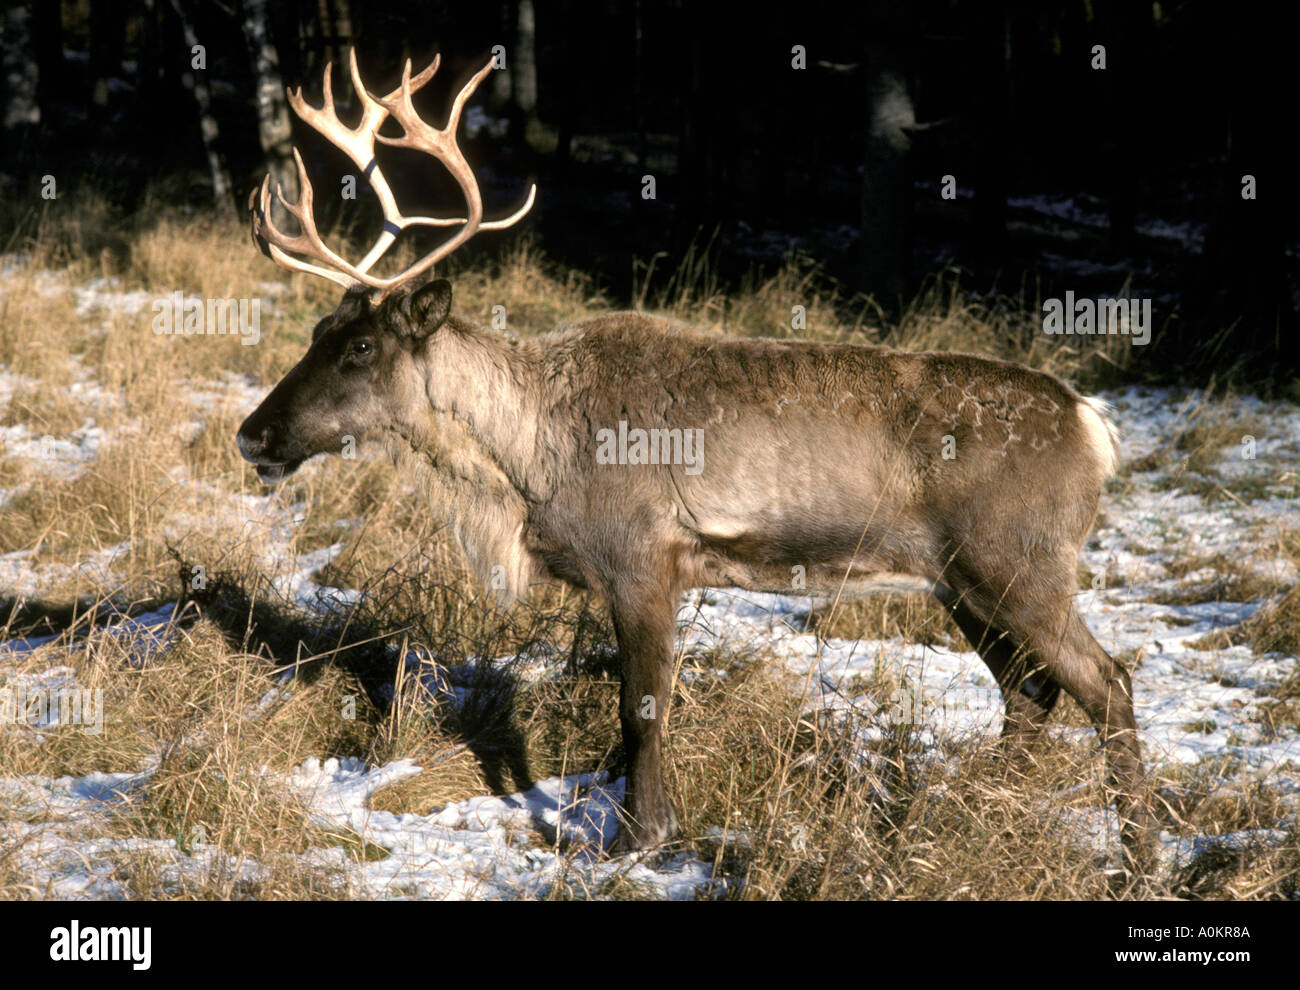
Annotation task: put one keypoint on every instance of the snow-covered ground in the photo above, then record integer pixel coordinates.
(1193, 704)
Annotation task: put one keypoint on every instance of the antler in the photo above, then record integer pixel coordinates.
(358, 143)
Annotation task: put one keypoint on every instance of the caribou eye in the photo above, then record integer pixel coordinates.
(360, 349)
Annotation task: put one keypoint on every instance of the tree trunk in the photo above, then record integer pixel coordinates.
(148, 75)
(341, 25)
(221, 185)
(562, 95)
(708, 147)
(500, 91)
(310, 54)
(274, 128)
(523, 79)
(21, 75)
(886, 180)
(329, 44)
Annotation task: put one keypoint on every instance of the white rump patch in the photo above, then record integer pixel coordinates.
(1100, 432)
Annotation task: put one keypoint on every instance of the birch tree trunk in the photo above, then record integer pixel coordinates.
(274, 129)
(196, 80)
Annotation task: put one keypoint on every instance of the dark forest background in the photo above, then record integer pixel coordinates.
(1122, 179)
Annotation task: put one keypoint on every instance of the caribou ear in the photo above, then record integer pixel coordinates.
(425, 309)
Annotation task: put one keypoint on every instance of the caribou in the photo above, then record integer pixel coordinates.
(858, 467)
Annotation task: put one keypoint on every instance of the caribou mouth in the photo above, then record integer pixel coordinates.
(273, 474)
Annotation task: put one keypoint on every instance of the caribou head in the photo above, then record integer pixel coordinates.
(364, 371)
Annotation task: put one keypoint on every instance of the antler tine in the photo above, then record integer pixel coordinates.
(309, 241)
(515, 217)
(416, 128)
(259, 202)
(458, 104)
(417, 83)
(356, 142)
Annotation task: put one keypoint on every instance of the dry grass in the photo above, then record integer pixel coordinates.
(1201, 431)
(1275, 628)
(1217, 578)
(1214, 426)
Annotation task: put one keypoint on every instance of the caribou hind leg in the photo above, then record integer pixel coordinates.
(1035, 643)
(1105, 692)
(1032, 638)
(1029, 692)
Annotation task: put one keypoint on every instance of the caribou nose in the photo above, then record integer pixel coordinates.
(250, 446)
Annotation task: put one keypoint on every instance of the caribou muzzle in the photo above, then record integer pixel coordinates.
(263, 448)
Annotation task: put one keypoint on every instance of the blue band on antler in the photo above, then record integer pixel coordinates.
(374, 162)
(391, 228)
